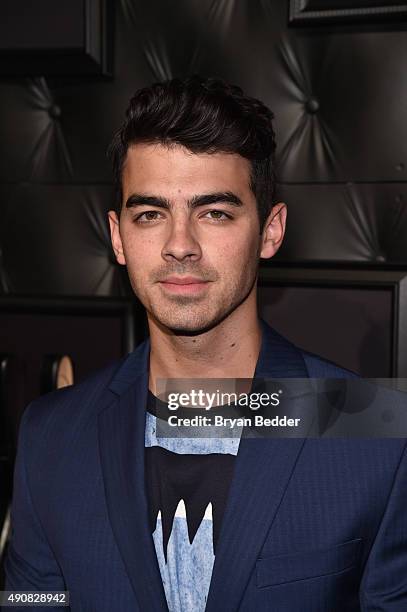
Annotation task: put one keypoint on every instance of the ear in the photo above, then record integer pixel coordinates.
(116, 238)
(273, 231)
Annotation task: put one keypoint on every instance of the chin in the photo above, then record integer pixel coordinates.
(187, 326)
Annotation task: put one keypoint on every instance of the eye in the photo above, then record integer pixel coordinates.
(217, 215)
(147, 217)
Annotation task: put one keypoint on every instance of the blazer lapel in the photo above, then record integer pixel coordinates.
(262, 472)
(121, 444)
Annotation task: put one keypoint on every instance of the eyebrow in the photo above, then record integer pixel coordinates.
(139, 199)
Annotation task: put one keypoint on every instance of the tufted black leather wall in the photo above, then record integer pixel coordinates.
(339, 100)
(338, 93)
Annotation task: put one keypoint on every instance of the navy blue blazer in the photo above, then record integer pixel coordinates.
(311, 525)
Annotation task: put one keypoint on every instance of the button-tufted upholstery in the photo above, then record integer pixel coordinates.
(339, 97)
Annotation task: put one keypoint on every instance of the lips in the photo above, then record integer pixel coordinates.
(184, 285)
(183, 280)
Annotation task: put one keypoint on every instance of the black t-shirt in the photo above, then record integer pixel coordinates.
(187, 488)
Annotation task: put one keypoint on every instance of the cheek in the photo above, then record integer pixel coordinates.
(238, 249)
(137, 250)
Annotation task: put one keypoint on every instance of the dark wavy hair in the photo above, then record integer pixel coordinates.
(204, 115)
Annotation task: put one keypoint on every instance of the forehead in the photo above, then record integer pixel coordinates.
(174, 168)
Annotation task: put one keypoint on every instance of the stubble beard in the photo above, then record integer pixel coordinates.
(194, 315)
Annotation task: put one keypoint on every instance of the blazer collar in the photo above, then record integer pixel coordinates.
(121, 429)
(278, 357)
(262, 472)
(135, 365)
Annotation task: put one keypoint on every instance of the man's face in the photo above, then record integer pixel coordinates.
(189, 234)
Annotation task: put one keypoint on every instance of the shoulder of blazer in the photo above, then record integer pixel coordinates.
(318, 367)
(72, 406)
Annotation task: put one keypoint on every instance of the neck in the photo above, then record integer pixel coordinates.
(229, 350)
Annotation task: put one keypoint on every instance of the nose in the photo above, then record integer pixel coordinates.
(181, 242)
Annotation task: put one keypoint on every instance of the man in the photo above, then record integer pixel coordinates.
(125, 520)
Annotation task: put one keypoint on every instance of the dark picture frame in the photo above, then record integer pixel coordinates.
(64, 38)
(124, 308)
(314, 12)
(36, 332)
(392, 283)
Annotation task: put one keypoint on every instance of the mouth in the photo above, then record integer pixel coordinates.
(184, 285)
